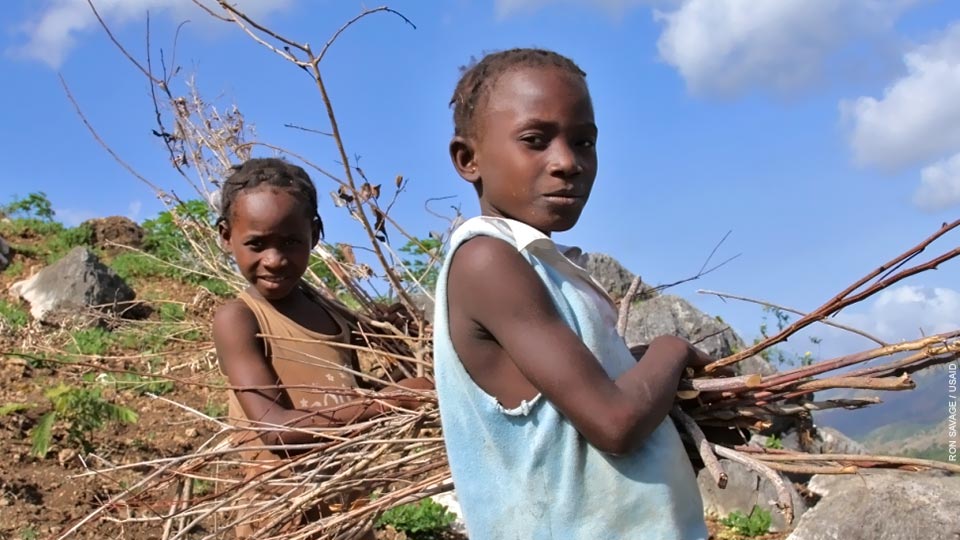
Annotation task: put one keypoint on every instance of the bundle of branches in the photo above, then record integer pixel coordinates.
(355, 472)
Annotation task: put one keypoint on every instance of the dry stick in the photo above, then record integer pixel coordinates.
(703, 446)
(870, 383)
(843, 299)
(783, 496)
(857, 331)
(852, 458)
(624, 314)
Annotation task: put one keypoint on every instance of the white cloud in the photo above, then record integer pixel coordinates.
(939, 185)
(133, 209)
(71, 217)
(723, 47)
(918, 117)
(900, 313)
(506, 8)
(54, 30)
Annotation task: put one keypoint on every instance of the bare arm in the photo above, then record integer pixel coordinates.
(493, 286)
(242, 360)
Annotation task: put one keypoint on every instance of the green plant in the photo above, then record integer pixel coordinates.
(164, 237)
(15, 269)
(424, 520)
(10, 408)
(201, 487)
(423, 262)
(29, 533)
(214, 285)
(82, 410)
(138, 384)
(774, 443)
(133, 264)
(215, 409)
(775, 354)
(13, 314)
(90, 341)
(35, 205)
(64, 240)
(171, 312)
(757, 523)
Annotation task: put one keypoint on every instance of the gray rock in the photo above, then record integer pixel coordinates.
(745, 489)
(882, 504)
(73, 284)
(5, 255)
(674, 316)
(611, 275)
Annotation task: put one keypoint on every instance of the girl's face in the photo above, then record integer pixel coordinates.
(534, 159)
(270, 234)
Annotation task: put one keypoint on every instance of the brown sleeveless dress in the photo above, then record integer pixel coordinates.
(301, 357)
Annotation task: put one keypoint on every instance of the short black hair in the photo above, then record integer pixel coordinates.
(479, 77)
(274, 172)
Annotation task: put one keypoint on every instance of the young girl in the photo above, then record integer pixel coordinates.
(552, 427)
(278, 342)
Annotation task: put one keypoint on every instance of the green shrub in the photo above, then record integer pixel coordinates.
(170, 312)
(34, 206)
(757, 523)
(133, 264)
(90, 341)
(138, 384)
(164, 238)
(82, 411)
(424, 520)
(774, 443)
(13, 314)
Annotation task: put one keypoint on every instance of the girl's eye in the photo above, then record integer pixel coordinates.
(534, 140)
(291, 242)
(587, 143)
(255, 245)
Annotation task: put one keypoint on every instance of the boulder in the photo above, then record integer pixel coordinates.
(113, 231)
(6, 255)
(882, 504)
(72, 285)
(611, 275)
(674, 316)
(745, 489)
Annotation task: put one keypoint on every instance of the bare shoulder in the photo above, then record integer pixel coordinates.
(484, 257)
(490, 279)
(233, 320)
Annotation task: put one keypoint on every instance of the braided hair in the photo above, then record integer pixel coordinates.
(479, 77)
(273, 172)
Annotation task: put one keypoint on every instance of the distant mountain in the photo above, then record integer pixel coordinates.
(901, 416)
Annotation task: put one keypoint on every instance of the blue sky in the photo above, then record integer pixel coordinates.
(825, 134)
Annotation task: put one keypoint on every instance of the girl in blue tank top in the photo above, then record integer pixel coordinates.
(554, 430)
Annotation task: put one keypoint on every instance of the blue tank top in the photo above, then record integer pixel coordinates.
(526, 473)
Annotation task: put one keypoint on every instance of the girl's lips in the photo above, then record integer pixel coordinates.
(564, 199)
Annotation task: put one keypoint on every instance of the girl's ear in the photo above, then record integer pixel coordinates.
(464, 158)
(223, 229)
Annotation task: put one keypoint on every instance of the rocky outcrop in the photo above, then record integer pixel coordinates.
(110, 232)
(612, 276)
(73, 285)
(674, 316)
(887, 505)
(6, 254)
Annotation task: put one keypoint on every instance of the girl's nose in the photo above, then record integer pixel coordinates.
(273, 258)
(563, 161)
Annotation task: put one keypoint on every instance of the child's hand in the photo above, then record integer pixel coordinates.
(690, 355)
